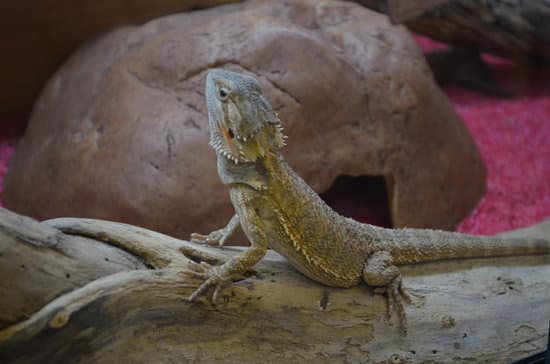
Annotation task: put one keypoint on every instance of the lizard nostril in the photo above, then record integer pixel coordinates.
(231, 134)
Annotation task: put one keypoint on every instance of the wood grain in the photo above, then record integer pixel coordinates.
(475, 311)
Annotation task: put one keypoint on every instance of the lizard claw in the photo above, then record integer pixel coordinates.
(213, 277)
(215, 238)
(396, 295)
(197, 271)
(379, 271)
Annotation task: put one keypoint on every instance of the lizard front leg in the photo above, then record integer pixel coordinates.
(379, 271)
(220, 236)
(217, 278)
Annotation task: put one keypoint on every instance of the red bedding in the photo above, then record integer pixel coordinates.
(513, 136)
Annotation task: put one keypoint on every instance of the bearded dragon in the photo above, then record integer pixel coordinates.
(276, 209)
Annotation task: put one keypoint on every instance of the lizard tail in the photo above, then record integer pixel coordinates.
(409, 246)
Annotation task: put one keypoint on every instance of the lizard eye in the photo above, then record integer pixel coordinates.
(223, 93)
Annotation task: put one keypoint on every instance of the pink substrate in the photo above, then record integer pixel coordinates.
(513, 136)
(514, 140)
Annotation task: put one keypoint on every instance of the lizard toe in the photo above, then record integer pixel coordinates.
(213, 280)
(215, 238)
(197, 270)
(396, 295)
(202, 267)
(198, 238)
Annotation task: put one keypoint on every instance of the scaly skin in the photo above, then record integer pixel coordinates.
(277, 209)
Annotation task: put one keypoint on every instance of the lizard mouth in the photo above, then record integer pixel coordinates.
(245, 148)
(243, 125)
(229, 143)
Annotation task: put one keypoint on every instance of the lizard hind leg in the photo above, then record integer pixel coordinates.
(380, 272)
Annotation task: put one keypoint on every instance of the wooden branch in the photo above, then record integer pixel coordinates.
(39, 263)
(401, 11)
(492, 310)
(515, 29)
(511, 28)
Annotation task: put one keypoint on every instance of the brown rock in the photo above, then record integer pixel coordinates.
(36, 36)
(120, 132)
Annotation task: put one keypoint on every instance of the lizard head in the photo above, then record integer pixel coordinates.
(243, 125)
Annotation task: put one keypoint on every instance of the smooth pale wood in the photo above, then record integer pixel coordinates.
(492, 310)
(39, 263)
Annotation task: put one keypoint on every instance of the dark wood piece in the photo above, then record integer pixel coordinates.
(512, 28)
(401, 11)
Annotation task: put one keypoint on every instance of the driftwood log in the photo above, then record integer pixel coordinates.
(512, 28)
(90, 291)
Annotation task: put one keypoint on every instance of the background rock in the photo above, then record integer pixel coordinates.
(38, 35)
(120, 132)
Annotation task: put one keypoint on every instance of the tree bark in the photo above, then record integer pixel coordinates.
(132, 307)
(512, 28)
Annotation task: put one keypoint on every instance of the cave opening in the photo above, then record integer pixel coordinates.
(363, 198)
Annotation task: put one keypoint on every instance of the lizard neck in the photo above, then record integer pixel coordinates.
(254, 174)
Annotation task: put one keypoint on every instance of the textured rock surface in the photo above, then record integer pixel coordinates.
(120, 132)
(41, 34)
